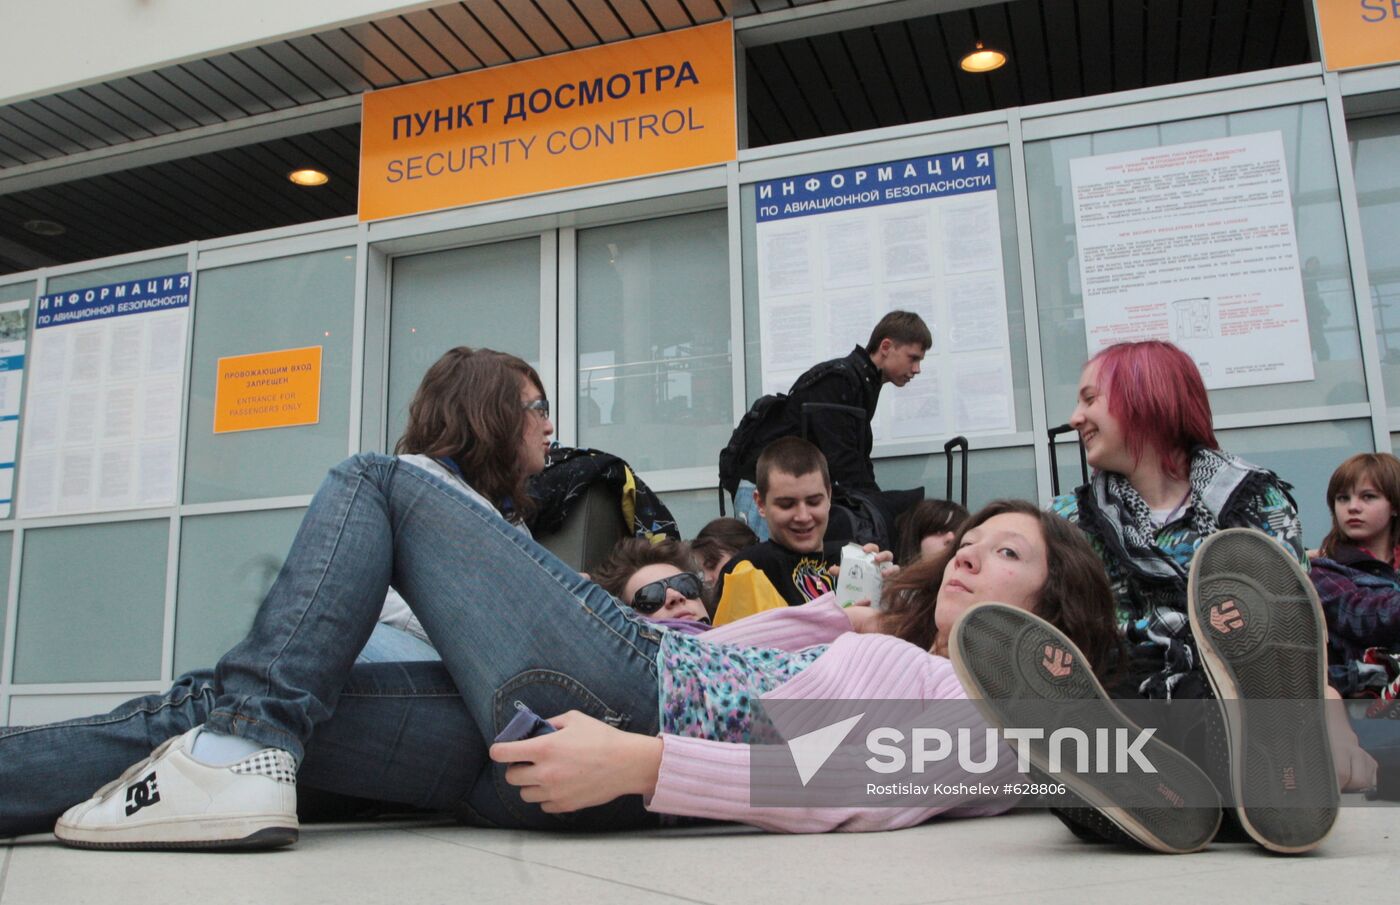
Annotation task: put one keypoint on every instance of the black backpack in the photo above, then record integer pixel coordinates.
(870, 517)
(765, 411)
(765, 421)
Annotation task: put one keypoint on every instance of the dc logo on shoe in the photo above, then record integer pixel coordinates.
(141, 794)
(1225, 617)
(1058, 663)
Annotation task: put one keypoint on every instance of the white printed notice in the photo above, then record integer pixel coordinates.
(1194, 244)
(14, 325)
(102, 412)
(838, 250)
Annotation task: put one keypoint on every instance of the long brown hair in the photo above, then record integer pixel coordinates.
(1383, 471)
(468, 409)
(1076, 597)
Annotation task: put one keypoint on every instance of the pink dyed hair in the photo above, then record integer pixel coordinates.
(1156, 393)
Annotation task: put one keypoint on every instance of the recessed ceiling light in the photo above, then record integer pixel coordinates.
(45, 227)
(308, 177)
(983, 59)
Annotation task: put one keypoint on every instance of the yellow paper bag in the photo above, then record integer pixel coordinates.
(746, 591)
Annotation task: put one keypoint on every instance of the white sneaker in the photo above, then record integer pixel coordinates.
(171, 801)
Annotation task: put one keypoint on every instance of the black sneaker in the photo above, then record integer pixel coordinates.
(1012, 663)
(1261, 636)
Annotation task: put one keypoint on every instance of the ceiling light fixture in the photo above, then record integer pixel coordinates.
(45, 227)
(982, 59)
(308, 177)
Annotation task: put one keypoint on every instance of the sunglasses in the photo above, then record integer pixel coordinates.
(651, 597)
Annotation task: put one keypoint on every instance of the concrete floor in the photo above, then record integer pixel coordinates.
(1022, 857)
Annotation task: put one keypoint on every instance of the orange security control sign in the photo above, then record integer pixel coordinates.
(1359, 32)
(612, 112)
(268, 389)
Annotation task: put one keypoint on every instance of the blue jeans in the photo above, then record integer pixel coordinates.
(400, 733)
(387, 644)
(746, 509)
(510, 621)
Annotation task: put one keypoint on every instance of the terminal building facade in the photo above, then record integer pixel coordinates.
(191, 340)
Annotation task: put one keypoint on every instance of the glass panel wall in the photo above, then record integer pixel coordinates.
(266, 306)
(1375, 160)
(92, 603)
(482, 296)
(992, 474)
(101, 276)
(655, 378)
(692, 509)
(1304, 455)
(10, 292)
(227, 564)
(1322, 254)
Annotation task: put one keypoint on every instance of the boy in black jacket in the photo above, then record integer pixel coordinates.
(838, 398)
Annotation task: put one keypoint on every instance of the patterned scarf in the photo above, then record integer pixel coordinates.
(1214, 476)
(1157, 560)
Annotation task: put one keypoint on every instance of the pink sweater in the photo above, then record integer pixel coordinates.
(708, 779)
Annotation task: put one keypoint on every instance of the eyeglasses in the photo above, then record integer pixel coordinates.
(651, 597)
(539, 407)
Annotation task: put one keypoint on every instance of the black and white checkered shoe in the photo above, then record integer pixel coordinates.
(171, 801)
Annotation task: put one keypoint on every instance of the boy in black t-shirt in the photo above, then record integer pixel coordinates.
(794, 498)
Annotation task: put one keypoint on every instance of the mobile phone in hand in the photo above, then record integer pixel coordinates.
(525, 724)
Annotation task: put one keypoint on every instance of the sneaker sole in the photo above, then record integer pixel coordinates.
(1000, 653)
(1259, 629)
(233, 834)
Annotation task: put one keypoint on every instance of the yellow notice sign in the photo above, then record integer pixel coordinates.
(268, 389)
(633, 108)
(1359, 32)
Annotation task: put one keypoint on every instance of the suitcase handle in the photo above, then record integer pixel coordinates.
(1052, 433)
(961, 443)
